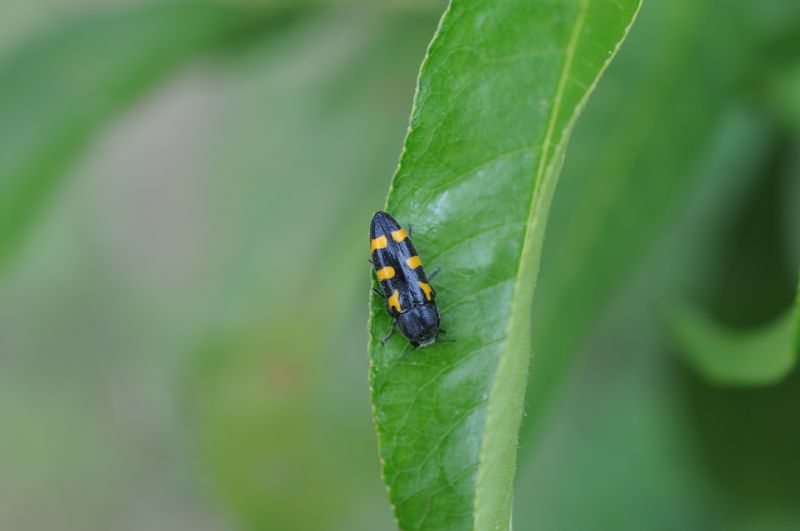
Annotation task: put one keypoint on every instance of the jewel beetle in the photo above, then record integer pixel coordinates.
(410, 298)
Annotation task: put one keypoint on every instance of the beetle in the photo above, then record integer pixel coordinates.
(410, 298)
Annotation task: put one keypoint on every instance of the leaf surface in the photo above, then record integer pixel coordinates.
(498, 95)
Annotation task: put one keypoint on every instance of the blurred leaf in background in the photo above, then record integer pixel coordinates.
(85, 406)
(56, 90)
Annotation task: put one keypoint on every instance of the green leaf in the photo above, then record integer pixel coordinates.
(498, 95)
(738, 357)
(61, 86)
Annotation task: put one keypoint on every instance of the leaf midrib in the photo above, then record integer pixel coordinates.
(522, 287)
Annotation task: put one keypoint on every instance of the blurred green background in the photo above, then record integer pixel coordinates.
(185, 190)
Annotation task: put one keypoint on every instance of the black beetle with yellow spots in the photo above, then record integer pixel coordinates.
(410, 299)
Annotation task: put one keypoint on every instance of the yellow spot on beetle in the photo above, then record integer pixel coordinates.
(394, 301)
(378, 243)
(399, 235)
(414, 262)
(385, 273)
(426, 288)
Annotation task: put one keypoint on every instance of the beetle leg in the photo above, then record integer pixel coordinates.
(377, 292)
(409, 350)
(389, 335)
(440, 340)
(434, 273)
(410, 229)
